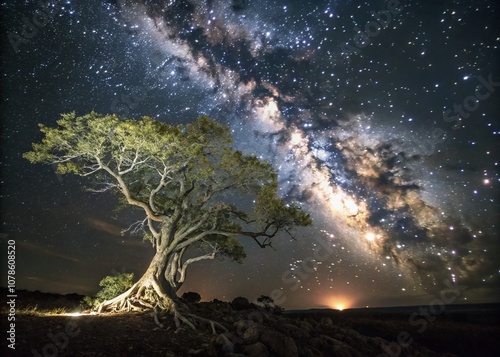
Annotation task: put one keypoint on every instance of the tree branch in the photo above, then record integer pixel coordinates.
(183, 233)
(130, 199)
(157, 189)
(152, 229)
(190, 261)
(181, 254)
(172, 268)
(93, 171)
(133, 164)
(107, 187)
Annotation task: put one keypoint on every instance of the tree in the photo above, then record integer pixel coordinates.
(191, 297)
(268, 303)
(188, 182)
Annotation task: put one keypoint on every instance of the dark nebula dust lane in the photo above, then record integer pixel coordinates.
(380, 117)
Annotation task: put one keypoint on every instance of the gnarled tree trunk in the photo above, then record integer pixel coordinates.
(152, 290)
(157, 289)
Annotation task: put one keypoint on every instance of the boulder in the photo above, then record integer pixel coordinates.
(311, 352)
(326, 323)
(279, 344)
(295, 332)
(357, 336)
(257, 349)
(333, 347)
(252, 334)
(224, 343)
(306, 326)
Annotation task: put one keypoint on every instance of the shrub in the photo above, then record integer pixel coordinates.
(112, 286)
(240, 303)
(191, 297)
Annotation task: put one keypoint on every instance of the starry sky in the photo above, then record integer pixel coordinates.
(381, 117)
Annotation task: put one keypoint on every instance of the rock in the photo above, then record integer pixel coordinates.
(295, 332)
(375, 341)
(223, 307)
(257, 349)
(180, 330)
(240, 326)
(334, 347)
(340, 351)
(326, 323)
(205, 350)
(311, 352)
(252, 334)
(269, 319)
(357, 336)
(193, 352)
(344, 338)
(224, 343)
(279, 344)
(304, 325)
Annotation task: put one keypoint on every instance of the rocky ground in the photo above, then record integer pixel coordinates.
(251, 331)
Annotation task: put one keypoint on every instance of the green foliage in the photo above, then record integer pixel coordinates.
(269, 304)
(191, 297)
(88, 302)
(232, 248)
(112, 286)
(181, 176)
(266, 301)
(148, 237)
(228, 247)
(271, 209)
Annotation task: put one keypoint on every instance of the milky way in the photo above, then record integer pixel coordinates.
(346, 100)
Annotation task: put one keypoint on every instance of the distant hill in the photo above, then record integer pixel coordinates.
(26, 298)
(454, 308)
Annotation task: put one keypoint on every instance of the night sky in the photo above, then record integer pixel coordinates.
(390, 140)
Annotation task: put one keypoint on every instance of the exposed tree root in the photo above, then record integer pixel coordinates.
(189, 319)
(123, 302)
(143, 298)
(155, 317)
(212, 323)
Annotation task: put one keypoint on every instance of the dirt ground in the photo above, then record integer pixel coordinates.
(130, 334)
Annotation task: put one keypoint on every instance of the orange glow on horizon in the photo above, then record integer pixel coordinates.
(340, 302)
